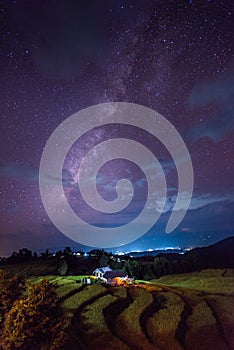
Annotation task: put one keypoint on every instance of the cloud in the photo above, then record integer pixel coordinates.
(8, 169)
(197, 202)
(218, 92)
(141, 182)
(29, 173)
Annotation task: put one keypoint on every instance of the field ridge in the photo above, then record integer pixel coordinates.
(182, 328)
(219, 325)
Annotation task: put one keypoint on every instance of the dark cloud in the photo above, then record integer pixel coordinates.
(26, 172)
(30, 173)
(219, 92)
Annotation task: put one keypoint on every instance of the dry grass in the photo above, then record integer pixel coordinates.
(120, 292)
(223, 307)
(202, 331)
(162, 325)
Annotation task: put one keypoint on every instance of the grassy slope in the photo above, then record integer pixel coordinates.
(96, 333)
(202, 330)
(32, 268)
(210, 280)
(196, 312)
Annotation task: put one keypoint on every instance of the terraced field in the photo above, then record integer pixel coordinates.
(175, 315)
(32, 268)
(148, 316)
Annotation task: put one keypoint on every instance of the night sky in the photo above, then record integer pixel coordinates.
(59, 57)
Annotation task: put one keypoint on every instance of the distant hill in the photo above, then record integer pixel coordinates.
(217, 255)
(154, 252)
(220, 254)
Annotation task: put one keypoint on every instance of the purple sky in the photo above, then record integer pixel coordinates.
(58, 57)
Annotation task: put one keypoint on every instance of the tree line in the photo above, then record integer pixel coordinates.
(146, 267)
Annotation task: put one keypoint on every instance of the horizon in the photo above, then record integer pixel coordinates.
(114, 251)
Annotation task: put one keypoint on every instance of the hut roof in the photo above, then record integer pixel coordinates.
(115, 273)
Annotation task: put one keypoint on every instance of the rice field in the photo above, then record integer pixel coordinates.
(209, 280)
(191, 311)
(153, 316)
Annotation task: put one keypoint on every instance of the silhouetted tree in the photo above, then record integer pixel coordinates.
(59, 253)
(115, 263)
(103, 260)
(147, 272)
(46, 254)
(67, 251)
(62, 268)
(161, 266)
(25, 254)
(96, 252)
(132, 268)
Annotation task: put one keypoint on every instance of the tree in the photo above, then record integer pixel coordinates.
(11, 288)
(162, 266)
(67, 251)
(25, 254)
(148, 273)
(115, 263)
(46, 254)
(96, 252)
(103, 260)
(132, 268)
(35, 321)
(62, 268)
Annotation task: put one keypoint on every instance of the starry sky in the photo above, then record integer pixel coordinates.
(58, 57)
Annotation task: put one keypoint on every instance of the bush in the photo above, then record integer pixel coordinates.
(11, 288)
(35, 321)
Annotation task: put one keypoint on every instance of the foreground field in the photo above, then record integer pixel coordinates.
(189, 311)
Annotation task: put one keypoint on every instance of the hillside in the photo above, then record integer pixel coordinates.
(192, 311)
(220, 254)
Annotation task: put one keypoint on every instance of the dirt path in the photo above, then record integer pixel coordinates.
(182, 328)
